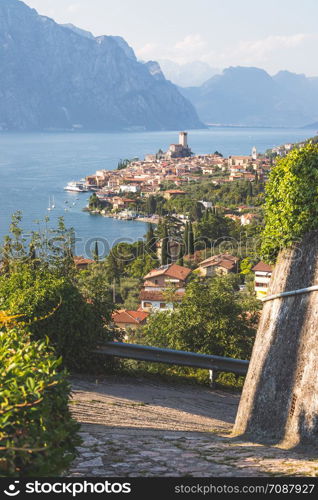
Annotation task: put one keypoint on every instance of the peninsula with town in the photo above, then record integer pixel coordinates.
(124, 193)
(205, 217)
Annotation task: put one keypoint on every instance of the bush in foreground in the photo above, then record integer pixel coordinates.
(37, 433)
(53, 306)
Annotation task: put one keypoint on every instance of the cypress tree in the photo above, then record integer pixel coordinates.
(32, 252)
(186, 237)
(150, 239)
(164, 247)
(180, 261)
(113, 271)
(191, 239)
(198, 211)
(96, 252)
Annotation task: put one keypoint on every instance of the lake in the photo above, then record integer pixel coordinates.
(36, 167)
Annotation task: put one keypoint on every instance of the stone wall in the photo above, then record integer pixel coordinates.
(280, 395)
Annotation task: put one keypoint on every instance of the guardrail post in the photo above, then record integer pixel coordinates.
(212, 377)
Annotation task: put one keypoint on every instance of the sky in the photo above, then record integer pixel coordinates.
(270, 34)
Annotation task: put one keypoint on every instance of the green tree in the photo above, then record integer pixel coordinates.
(180, 260)
(53, 306)
(151, 205)
(190, 239)
(291, 207)
(165, 246)
(129, 291)
(95, 287)
(186, 237)
(94, 202)
(96, 252)
(151, 241)
(37, 433)
(112, 268)
(197, 211)
(49, 247)
(142, 266)
(123, 164)
(214, 227)
(246, 266)
(210, 320)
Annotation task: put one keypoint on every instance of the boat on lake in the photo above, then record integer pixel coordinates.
(78, 187)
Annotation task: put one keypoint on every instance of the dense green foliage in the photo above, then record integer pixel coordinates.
(211, 319)
(94, 202)
(291, 207)
(70, 307)
(55, 307)
(226, 195)
(123, 164)
(37, 434)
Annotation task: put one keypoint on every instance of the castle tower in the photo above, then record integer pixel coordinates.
(183, 139)
(254, 153)
(279, 400)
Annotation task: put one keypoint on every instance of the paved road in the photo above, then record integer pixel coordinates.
(138, 427)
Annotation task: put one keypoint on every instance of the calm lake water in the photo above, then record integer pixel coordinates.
(35, 167)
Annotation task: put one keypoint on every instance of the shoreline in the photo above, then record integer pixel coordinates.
(115, 216)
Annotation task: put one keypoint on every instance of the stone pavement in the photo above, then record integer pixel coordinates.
(134, 427)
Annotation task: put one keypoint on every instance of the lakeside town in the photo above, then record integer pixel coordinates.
(117, 190)
(170, 174)
(158, 190)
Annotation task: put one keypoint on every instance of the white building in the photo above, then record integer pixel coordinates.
(129, 188)
(207, 204)
(263, 273)
(183, 139)
(254, 153)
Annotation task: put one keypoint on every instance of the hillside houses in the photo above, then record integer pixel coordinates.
(218, 265)
(164, 286)
(263, 273)
(125, 319)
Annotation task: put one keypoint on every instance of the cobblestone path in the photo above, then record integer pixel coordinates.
(135, 427)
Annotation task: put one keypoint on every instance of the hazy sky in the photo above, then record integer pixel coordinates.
(271, 34)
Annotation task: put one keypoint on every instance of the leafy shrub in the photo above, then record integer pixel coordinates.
(211, 319)
(55, 307)
(291, 207)
(37, 434)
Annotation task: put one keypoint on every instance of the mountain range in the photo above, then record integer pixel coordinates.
(248, 96)
(58, 77)
(191, 74)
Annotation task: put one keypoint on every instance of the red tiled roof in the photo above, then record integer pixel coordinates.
(175, 191)
(225, 260)
(81, 261)
(134, 317)
(262, 267)
(227, 264)
(173, 271)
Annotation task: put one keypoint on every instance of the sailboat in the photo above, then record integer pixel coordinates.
(51, 204)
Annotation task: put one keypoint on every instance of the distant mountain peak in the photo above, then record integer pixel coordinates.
(59, 77)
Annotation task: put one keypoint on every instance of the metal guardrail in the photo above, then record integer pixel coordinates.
(172, 357)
